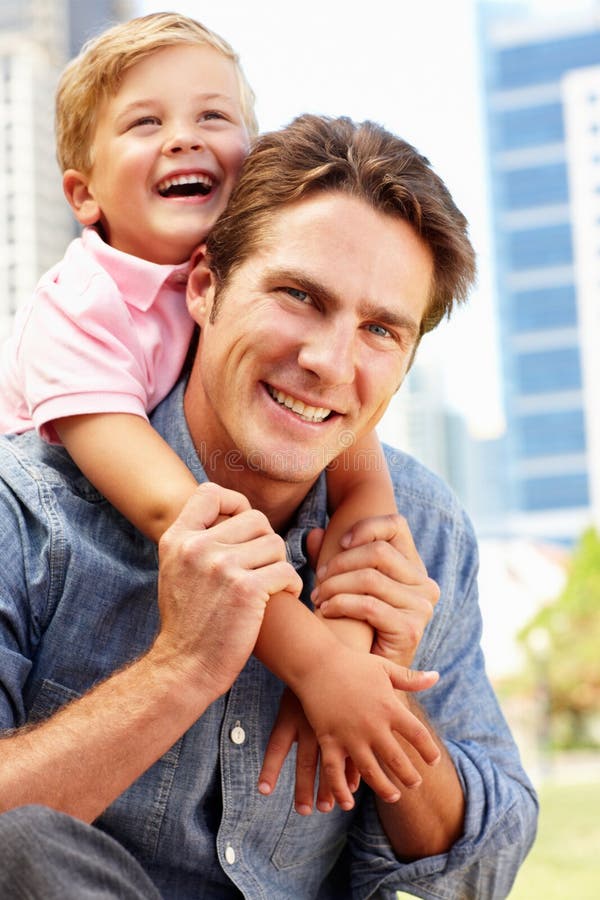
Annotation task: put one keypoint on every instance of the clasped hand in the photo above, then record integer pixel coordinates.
(349, 714)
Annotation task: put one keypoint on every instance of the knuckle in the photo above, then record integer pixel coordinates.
(371, 580)
(277, 546)
(398, 521)
(259, 521)
(381, 553)
(412, 636)
(434, 592)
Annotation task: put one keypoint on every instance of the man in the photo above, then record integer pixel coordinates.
(339, 249)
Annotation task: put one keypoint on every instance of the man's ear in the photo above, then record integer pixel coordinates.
(77, 191)
(200, 286)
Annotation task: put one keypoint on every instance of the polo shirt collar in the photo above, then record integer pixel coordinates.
(137, 279)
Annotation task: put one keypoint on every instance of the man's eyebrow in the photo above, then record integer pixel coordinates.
(316, 289)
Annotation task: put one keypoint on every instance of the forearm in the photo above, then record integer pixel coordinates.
(88, 753)
(428, 819)
(131, 465)
(359, 482)
(292, 640)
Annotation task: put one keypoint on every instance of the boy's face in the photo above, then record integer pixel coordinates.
(166, 153)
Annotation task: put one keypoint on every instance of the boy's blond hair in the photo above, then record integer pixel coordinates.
(96, 73)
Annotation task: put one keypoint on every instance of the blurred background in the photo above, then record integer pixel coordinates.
(504, 399)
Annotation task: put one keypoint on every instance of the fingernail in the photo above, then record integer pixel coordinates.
(393, 798)
(324, 605)
(347, 805)
(346, 540)
(264, 787)
(321, 572)
(324, 807)
(314, 596)
(303, 809)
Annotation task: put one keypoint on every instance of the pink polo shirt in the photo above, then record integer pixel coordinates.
(104, 332)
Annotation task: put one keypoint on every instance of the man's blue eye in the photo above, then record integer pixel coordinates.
(297, 294)
(379, 330)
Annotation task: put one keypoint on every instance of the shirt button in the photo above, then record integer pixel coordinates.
(237, 734)
(230, 854)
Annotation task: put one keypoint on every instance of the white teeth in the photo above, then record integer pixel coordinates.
(184, 179)
(309, 413)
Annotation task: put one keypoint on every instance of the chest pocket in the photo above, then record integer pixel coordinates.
(319, 837)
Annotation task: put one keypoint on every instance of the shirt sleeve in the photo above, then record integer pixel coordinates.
(501, 807)
(79, 353)
(27, 582)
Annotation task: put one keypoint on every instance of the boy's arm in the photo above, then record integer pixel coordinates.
(349, 701)
(358, 485)
(349, 698)
(131, 465)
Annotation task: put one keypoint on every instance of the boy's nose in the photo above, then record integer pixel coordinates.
(181, 142)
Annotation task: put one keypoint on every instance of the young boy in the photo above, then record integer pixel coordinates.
(154, 119)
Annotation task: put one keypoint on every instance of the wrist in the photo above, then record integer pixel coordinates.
(186, 682)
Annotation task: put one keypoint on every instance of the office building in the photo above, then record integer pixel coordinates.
(37, 37)
(528, 64)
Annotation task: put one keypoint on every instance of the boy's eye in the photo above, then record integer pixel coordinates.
(145, 120)
(213, 114)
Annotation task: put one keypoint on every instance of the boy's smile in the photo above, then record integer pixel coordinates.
(166, 153)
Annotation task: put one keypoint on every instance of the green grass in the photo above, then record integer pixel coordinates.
(565, 859)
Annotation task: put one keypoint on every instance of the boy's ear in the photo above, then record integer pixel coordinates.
(200, 286)
(77, 191)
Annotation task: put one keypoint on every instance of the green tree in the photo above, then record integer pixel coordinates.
(563, 643)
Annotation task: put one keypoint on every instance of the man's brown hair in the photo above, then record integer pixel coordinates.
(317, 153)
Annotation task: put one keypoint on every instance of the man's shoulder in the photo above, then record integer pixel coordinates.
(421, 493)
(29, 467)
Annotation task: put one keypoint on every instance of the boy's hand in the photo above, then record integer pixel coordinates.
(352, 705)
(292, 726)
(379, 578)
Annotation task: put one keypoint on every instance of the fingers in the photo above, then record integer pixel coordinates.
(333, 783)
(379, 556)
(291, 727)
(207, 503)
(404, 679)
(392, 529)
(279, 745)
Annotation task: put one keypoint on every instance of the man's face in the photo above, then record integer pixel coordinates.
(313, 335)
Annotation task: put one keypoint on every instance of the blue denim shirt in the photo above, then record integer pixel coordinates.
(78, 600)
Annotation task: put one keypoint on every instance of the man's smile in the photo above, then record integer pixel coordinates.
(303, 410)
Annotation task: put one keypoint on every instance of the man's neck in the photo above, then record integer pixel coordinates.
(276, 497)
(278, 500)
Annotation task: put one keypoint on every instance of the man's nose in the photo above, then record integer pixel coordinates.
(330, 353)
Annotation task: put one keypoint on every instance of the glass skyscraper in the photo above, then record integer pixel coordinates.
(526, 62)
(37, 37)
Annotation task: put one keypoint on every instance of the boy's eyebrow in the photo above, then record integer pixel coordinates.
(368, 310)
(145, 102)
